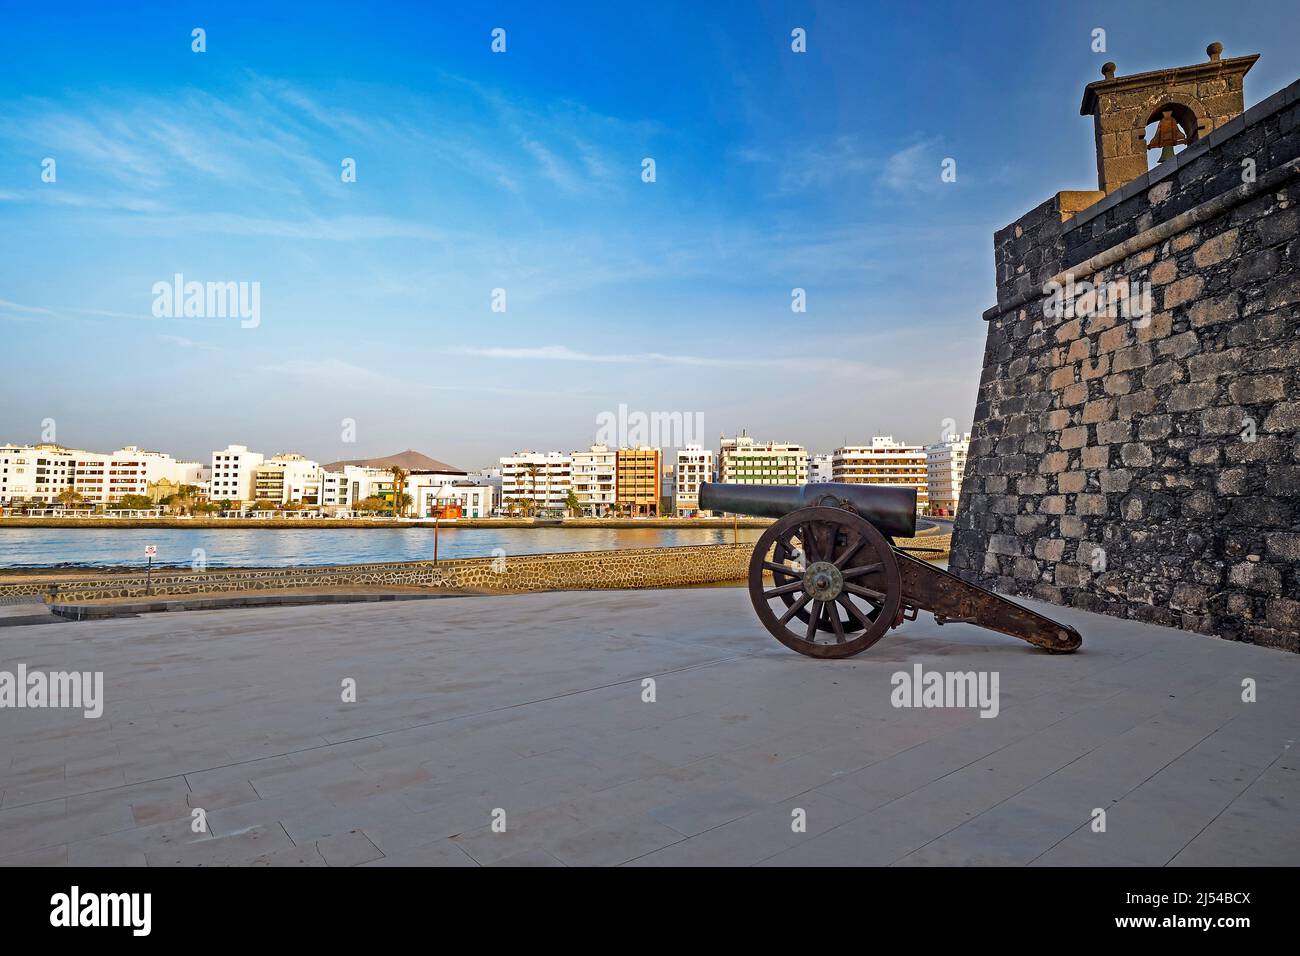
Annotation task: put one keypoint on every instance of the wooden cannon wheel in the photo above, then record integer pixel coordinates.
(844, 594)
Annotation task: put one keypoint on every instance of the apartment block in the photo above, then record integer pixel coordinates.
(288, 479)
(945, 466)
(43, 472)
(538, 480)
(742, 460)
(884, 462)
(638, 484)
(335, 490)
(36, 472)
(694, 466)
(234, 470)
(820, 468)
(131, 471)
(594, 478)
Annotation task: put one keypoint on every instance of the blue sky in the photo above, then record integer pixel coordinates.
(522, 171)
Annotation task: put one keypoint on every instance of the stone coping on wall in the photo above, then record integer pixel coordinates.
(86, 611)
(357, 524)
(628, 568)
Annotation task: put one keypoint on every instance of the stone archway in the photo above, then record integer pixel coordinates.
(1188, 111)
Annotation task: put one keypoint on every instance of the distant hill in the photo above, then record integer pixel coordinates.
(408, 460)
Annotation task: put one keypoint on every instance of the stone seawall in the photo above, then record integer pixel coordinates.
(582, 570)
(354, 524)
(1150, 468)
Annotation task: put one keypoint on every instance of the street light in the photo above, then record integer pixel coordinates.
(442, 494)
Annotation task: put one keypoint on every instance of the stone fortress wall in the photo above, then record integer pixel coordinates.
(1145, 462)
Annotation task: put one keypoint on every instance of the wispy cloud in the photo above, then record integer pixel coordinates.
(155, 155)
(563, 353)
(344, 228)
(812, 165)
(19, 307)
(333, 371)
(110, 314)
(914, 168)
(339, 373)
(181, 341)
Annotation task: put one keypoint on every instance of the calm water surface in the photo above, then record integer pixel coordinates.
(273, 547)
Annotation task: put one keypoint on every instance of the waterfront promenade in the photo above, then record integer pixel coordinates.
(533, 710)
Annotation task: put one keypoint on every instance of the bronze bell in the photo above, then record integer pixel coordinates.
(1168, 135)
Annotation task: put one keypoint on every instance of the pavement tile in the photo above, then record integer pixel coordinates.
(348, 849)
(238, 713)
(614, 842)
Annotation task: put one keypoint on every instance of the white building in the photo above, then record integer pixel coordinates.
(490, 478)
(289, 478)
(426, 489)
(539, 480)
(36, 472)
(884, 462)
(43, 472)
(742, 460)
(945, 467)
(820, 468)
(344, 487)
(694, 466)
(233, 474)
(429, 499)
(336, 490)
(594, 480)
(102, 479)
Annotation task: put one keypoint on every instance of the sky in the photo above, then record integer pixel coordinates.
(524, 171)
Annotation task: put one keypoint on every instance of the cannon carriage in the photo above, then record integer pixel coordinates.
(839, 583)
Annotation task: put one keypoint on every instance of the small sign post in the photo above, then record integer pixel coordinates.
(149, 551)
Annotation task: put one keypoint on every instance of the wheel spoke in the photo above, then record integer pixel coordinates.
(853, 609)
(812, 546)
(862, 569)
(814, 617)
(850, 550)
(836, 626)
(780, 569)
(795, 608)
(874, 596)
(787, 551)
(784, 589)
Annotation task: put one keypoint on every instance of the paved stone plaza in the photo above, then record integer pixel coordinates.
(532, 704)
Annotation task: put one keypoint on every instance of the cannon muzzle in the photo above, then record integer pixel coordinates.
(890, 508)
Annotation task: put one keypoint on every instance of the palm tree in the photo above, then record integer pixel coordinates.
(533, 472)
(399, 488)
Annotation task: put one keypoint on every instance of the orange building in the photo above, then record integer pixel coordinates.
(638, 477)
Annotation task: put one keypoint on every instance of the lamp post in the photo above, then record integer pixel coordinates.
(442, 494)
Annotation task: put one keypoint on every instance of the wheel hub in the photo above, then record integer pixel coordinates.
(823, 581)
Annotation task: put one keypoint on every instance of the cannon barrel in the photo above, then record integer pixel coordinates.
(891, 509)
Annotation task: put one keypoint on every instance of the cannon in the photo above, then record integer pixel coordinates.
(838, 581)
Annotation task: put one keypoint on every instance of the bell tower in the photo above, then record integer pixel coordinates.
(1185, 102)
